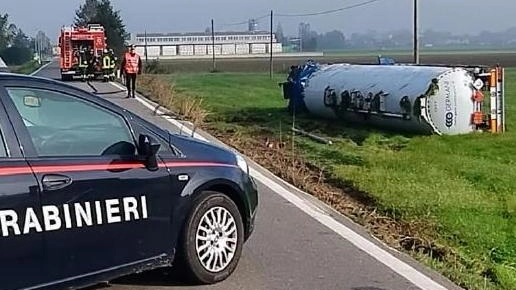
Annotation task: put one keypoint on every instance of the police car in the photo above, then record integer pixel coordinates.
(90, 192)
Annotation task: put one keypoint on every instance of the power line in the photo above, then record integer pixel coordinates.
(303, 14)
(329, 11)
(244, 22)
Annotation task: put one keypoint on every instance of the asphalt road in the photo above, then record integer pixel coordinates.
(289, 248)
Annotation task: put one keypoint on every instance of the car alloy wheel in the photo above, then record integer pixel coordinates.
(212, 238)
(216, 240)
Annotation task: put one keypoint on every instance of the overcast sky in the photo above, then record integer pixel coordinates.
(458, 16)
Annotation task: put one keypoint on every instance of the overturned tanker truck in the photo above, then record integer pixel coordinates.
(439, 100)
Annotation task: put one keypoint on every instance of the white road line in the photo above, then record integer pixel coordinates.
(403, 269)
(40, 69)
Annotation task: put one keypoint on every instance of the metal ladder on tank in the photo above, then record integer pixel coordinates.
(497, 102)
(495, 117)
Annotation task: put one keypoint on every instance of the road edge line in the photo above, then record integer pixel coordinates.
(40, 69)
(395, 264)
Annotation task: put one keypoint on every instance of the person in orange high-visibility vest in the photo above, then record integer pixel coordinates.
(131, 66)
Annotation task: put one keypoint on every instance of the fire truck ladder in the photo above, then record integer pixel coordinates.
(67, 48)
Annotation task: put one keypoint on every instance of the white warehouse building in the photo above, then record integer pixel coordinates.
(198, 44)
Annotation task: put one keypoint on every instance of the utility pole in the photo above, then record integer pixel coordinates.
(213, 44)
(270, 48)
(416, 32)
(300, 32)
(37, 43)
(36, 54)
(41, 47)
(146, 55)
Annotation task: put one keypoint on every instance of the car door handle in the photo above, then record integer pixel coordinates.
(55, 181)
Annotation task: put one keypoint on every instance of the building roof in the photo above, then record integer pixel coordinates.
(177, 34)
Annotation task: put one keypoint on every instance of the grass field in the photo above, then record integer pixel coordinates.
(282, 64)
(462, 187)
(424, 52)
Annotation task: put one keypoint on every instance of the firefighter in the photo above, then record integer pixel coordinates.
(131, 66)
(106, 65)
(76, 57)
(83, 63)
(113, 64)
(91, 63)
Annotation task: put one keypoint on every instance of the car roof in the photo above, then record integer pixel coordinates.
(89, 95)
(52, 82)
(15, 76)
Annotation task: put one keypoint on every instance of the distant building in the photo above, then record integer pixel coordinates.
(3, 66)
(250, 43)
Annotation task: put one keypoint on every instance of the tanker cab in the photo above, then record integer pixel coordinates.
(489, 83)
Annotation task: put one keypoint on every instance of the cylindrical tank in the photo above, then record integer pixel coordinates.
(419, 99)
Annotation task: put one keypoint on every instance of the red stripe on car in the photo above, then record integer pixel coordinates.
(4, 171)
(197, 164)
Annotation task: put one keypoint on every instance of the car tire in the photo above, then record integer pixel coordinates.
(210, 253)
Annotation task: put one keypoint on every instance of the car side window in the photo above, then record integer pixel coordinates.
(163, 149)
(63, 125)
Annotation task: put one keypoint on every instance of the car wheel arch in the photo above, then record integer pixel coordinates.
(231, 190)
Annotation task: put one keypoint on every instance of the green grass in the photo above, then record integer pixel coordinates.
(466, 185)
(226, 93)
(27, 68)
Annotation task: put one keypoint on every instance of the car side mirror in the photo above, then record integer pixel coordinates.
(148, 149)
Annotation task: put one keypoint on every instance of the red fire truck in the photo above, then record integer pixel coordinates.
(84, 44)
